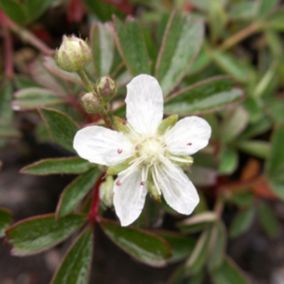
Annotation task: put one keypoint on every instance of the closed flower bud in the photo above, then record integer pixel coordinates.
(106, 87)
(90, 103)
(73, 54)
(106, 192)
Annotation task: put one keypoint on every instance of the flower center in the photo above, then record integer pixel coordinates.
(151, 149)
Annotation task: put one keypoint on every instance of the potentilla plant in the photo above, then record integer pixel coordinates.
(122, 161)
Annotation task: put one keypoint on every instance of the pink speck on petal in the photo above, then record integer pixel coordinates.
(118, 183)
(119, 151)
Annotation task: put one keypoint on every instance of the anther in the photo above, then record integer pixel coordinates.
(119, 151)
(118, 183)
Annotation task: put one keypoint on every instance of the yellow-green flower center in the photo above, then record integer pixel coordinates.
(151, 149)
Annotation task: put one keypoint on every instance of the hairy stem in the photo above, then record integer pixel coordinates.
(28, 37)
(241, 35)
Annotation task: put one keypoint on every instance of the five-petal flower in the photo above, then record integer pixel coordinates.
(152, 156)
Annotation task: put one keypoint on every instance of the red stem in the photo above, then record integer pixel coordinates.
(94, 216)
(26, 36)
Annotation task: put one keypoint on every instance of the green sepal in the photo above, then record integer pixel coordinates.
(153, 190)
(167, 123)
(120, 125)
(111, 171)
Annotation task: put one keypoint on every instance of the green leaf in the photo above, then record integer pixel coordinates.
(268, 220)
(103, 10)
(132, 47)
(228, 161)
(233, 66)
(202, 60)
(275, 108)
(242, 222)
(37, 234)
(22, 82)
(266, 6)
(75, 192)
(276, 20)
(260, 149)
(203, 5)
(6, 112)
(205, 96)
(182, 41)
(278, 187)
(181, 246)
(217, 244)
(51, 166)
(244, 10)
(32, 98)
(267, 81)
(198, 222)
(24, 11)
(5, 220)
(275, 165)
(255, 129)
(144, 246)
(180, 276)
(217, 19)
(228, 273)
(234, 123)
(198, 258)
(76, 265)
(242, 199)
(61, 127)
(102, 45)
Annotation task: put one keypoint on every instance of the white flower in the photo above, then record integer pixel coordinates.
(153, 156)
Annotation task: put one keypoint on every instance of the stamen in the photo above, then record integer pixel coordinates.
(142, 183)
(189, 144)
(119, 151)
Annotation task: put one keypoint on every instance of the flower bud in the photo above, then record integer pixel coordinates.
(90, 103)
(106, 191)
(73, 54)
(106, 87)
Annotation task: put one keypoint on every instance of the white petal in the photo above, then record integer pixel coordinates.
(102, 146)
(177, 190)
(129, 196)
(188, 136)
(144, 104)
